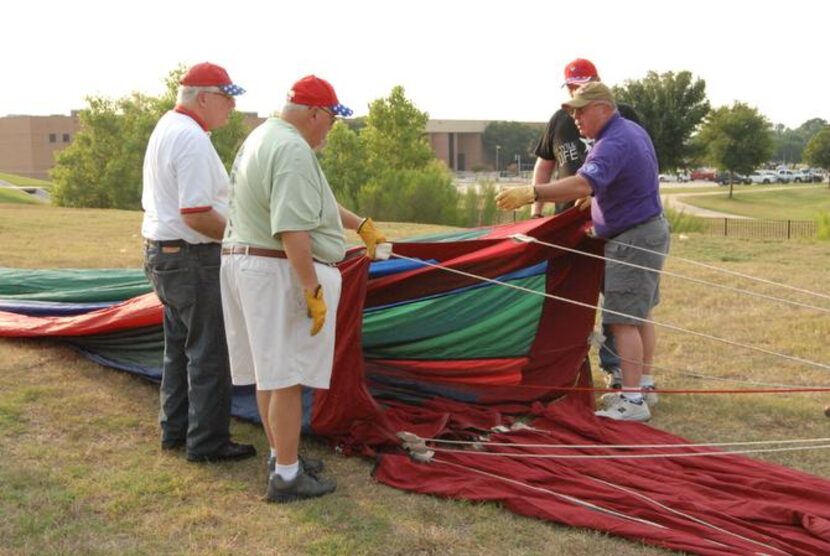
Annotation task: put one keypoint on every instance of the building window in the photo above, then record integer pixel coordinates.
(53, 137)
(66, 138)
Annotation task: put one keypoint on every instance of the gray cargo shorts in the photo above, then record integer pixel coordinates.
(634, 291)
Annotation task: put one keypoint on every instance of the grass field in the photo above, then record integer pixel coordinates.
(797, 203)
(24, 181)
(81, 471)
(9, 196)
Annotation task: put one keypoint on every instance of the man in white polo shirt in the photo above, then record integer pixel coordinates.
(185, 201)
(284, 235)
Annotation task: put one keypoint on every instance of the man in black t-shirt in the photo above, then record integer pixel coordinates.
(562, 150)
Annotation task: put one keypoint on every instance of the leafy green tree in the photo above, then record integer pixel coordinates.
(817, 151)
(812, 126)
(787, 144)
(790, 143)
(736, 138)
(78, 173)
(344, 163)
(425, 195)
(102, 168)
(387, 168)
(510, 139)
(671, 106)
(395, 134)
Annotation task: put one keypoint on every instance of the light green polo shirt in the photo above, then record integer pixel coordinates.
(277, 186)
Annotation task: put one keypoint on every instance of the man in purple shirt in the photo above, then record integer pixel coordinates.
(620, 173)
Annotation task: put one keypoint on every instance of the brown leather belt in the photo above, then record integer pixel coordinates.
(255, 251)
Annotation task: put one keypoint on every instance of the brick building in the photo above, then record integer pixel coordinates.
(28, 144)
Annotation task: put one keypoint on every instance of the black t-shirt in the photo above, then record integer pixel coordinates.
(562, 143)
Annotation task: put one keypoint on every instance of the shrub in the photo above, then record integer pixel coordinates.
(683, 223)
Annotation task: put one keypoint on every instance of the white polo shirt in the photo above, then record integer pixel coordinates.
(182, 174)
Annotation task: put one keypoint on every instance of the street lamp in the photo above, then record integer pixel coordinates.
(498, 148)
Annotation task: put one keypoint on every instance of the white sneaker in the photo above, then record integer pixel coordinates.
(609, 399)
(650, 395)
(625, 410)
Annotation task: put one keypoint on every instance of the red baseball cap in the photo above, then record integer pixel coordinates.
(314, 91)
(211, 75)
(580, 71)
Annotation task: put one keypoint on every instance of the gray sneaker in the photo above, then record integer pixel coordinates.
(624, 409)
(650, 395)
(311, 465)
(613, 377)
(303, 486)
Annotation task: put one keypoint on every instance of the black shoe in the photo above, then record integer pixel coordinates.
(303, 486)
(310, 465)
(172, 444)
(230, 451)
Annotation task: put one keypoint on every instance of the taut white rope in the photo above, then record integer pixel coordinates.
(627, 446)
(597, 307)
(631, 456)
(727, 271)
(528, 239)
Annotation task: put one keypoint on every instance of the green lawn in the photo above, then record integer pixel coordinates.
(797, 203)
(711, 187)
(24, 181)
(14, 196)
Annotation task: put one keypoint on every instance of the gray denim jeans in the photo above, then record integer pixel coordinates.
(196, 383)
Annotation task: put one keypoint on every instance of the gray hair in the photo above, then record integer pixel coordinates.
(187, 94)
(292, 107)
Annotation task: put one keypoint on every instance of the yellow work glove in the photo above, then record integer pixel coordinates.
(371, 236)
(584, 203)
(515, 197)
(316, 308)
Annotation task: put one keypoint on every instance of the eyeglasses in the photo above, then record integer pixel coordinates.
(331, 114)
(577, 112)
(227, 96)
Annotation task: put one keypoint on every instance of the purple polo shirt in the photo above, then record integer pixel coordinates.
(622, 171)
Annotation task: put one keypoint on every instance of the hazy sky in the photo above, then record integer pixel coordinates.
(457, 59)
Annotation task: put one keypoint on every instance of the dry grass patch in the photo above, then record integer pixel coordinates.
(81, 471)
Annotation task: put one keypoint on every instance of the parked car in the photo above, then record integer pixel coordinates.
(703, 175)
(802, 176)
(725, 178)
(763, 177)
(674, 178)
(786, 176)
(817, 174)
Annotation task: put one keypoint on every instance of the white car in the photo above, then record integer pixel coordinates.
(674, 178)
(786, 176)
(763, 176)
(802, 176)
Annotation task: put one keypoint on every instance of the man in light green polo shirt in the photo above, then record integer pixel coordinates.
(284, 234)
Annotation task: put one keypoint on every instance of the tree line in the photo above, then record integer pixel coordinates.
(383, 164)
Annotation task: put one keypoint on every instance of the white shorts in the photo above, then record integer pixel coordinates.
(268, 327)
